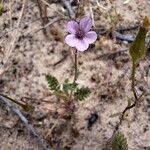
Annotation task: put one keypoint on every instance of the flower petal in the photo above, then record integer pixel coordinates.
(82, 45)
(72, 26)
(71, 40)
(90, 37)
(85, 24)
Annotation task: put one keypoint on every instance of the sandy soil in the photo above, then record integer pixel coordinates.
(34, 56)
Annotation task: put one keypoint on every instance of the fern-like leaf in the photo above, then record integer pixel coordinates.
(53, 83)
(82, 93)
(68, 86)
(119, 142)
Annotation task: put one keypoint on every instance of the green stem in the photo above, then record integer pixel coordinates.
(133, 76)
(26, 107)
(18, 103)
(76, 67)
(135, 96)
(75, 73)
(133, 80)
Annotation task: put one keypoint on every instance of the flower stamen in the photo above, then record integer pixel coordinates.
(80, 33)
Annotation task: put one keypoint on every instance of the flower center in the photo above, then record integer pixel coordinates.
(80, 34)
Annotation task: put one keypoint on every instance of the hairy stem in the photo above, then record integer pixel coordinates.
(133, 90)
(75, 72)
(133, 80)
(135, 96)
(76, 67)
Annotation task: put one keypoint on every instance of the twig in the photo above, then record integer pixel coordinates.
(101, 31)
(100, 6)
(52, 8)
(49, 133)
(15, 110)
(122, 29)
(22, 26)
(18, 23)
(69, 8)
(123, 37)
(10, 99)
(4, 126)
(8, 53)
(11, 15)
(117, 35)
(61, 60)
(110, 55)
(43, 16)
(47, 25)
(92, 15)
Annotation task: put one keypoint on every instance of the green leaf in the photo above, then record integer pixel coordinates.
(82, 93)
(1, 9)
(60, 95)
(138, 47)
(69, 86)
(146, 22)
(53, 83)
(129, 102)
(28, 108)
(119, 142)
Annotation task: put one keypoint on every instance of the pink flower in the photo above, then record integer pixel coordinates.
(80, 35)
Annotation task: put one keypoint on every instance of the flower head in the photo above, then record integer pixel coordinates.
(80, 35)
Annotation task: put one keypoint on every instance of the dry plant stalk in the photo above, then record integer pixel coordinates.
(30, 128)
(43, 15)
(3, 66)
(57, 33)
(54, 30)
(81, 5)
(52, 8)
